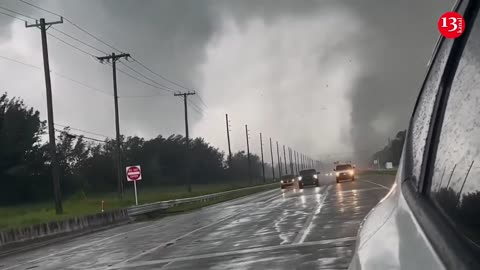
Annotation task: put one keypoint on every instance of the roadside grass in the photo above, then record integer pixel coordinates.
(28, 214)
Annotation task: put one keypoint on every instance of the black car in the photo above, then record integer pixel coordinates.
(309, 177)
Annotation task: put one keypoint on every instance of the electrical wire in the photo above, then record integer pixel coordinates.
(159, 85)
(140, 80)
(78, 40)
(82, 84)
(153, 81)
(18, 13)
(81, 130)
(76, 135)
(201, 101)
(195, 107)
(12, 16)
(71, 45)
(19, 62)
(161, 76)
(72, 23)
(57, 74)
(146, 96)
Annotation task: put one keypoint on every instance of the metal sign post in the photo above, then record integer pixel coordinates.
(136, 195)
(134, 174)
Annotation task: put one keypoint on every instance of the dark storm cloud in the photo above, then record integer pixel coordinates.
(388, 55)
(395, 65)
(397, 43)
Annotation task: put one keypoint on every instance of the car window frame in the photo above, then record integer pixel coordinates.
(449, 245)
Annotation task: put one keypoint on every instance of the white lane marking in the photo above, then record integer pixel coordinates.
(80, 246)
(307, 227)
(96, 242)
(380, 185)
(235, 252)
(359, 190)
(176, 239)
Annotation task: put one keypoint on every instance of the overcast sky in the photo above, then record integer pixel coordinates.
(322, 76)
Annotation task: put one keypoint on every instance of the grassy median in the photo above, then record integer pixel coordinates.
(80, 205)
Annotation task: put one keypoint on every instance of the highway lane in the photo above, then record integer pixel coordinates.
(313, 228)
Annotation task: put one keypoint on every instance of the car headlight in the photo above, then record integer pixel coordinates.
(299, 178)
(281, 181)
(315, 176)
(350, 172)
(337, 174)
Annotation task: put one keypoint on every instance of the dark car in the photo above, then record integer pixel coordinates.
(344, 172)
(309, 177)
(431, 217)
(287, 180)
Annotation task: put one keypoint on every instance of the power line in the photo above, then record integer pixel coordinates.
(18, 13)
(110, 46)
(72, 23)
(82, 84)
(71, 45)
(12, 16)
(145, 96)
(19, 62)
(76, 135)
(78, 40)
(140, 80)
(195, 107)
(166, 88)
(57, 74)
(81, 130)
(160, 75)
(201, 101)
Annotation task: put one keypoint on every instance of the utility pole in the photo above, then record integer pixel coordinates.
(187, 139)
(114, 58)
(248, 155)
(291, 161)
(285, 160)
(228, 139)
(296, 162)
(263, 164)
(279, 163)
(273, 163)
(57, 192)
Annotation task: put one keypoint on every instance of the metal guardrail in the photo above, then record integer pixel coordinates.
(162, 205)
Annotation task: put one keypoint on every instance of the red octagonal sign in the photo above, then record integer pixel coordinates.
(134, 173)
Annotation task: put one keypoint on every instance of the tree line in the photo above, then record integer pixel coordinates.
(88, 167)
(391, 152)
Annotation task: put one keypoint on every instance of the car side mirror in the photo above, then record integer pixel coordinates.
(334, 169)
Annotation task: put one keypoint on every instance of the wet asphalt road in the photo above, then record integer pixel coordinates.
(313, 228)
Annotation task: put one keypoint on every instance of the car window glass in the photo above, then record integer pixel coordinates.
(455, 183)
(421, 119)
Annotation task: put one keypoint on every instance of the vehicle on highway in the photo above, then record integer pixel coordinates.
(430, 219)
(344, 172)
(309, 177)
(287, 181)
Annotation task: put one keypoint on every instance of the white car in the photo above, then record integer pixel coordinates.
(431, 217)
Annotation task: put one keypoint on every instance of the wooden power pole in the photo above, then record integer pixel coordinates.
(113, 58)
(57, 192)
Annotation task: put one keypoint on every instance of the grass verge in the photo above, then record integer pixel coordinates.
(24, 215)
